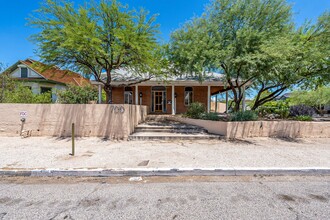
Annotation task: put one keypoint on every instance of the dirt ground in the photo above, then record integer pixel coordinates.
(93, 153)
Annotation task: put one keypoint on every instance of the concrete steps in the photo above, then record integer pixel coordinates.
(159, 128)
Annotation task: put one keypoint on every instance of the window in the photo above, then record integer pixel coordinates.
(45, 89)
(188, 94)
(24, 72)
(128, 95)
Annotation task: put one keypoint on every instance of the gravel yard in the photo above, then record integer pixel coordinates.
(92, 153)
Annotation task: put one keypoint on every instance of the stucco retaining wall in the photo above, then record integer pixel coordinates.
(291, 129)
(92, 120)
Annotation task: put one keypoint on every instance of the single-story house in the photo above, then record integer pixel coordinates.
(172, 95)
(40, 78)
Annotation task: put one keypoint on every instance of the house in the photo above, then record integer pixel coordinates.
(171, 95)
(40, 78)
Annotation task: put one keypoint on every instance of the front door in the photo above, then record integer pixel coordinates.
(158, 101)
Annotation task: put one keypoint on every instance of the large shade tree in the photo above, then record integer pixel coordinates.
(255, 43)
(299, 58)
(95, 38)
(228, 39)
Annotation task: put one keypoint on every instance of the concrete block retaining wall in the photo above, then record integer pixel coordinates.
(291, 129)
(92, 120)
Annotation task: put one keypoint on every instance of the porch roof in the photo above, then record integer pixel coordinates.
(123, 77)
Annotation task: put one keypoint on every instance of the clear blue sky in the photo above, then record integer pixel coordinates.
(14, 32)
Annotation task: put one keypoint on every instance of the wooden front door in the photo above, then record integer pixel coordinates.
(158, 101)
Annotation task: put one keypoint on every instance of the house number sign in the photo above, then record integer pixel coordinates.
(23, 114)
(117, 110)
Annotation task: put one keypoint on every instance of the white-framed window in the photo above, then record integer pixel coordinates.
(188, 96)
(128, 95)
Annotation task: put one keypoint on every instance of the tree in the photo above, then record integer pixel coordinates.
(96, 38)
(315, 98)
(77, 95)
(299, 58)
(228, 38)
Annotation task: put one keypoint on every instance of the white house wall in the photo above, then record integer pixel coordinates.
(16, 73)
(31, 73)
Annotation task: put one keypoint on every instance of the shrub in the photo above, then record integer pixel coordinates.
(277, 108)
(303, 118)
(301, 110)
(22, 94)
(210, 116)
(77, 95)
(195, 110)
(243, 116)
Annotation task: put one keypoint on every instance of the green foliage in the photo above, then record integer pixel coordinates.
(229, 37)
(77, 95)
(303, 118)
(313, 98)
(212, 116)
(277, 108)
(97, 37)
(243, 116)
(195, 110)
(254, 41)
(22, 94)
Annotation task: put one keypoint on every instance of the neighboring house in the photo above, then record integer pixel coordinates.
(40, 78)
(165, 96)
(284, 96)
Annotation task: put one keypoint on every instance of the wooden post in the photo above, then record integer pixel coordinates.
(173, 100)
(208, 99)
(72, 137)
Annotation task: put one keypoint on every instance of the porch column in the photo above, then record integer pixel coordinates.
(243, 101)
(100, 94)
(227, 102)
(173, 100)
(208, 99)
(136, 95)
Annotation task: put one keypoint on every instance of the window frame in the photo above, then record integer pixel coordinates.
(191, 97)
(128, 92)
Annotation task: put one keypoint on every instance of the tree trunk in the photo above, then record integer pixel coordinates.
(108, 92)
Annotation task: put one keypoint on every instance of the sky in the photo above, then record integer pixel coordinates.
(14, 31)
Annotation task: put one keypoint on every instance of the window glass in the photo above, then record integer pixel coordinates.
(188, 94)
(45, 89)
(24, 72)
(128, 96)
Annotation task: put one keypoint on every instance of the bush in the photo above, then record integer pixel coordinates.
(77, 95)
(280, 109)
(303, 118)
(212, 116)
(301, 110)
(23, 94)
(243, 116)
(195, 110)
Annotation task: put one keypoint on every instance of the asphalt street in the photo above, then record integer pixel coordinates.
(165, 198)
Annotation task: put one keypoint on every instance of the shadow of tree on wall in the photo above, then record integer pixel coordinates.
(288, 130)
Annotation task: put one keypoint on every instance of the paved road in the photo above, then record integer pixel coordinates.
(165, 198)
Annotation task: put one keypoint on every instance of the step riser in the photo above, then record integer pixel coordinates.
(168, 127)
(171, 130)
(168, 138)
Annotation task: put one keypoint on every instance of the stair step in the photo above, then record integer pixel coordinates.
(159, 128)
(171, 130)
(171, 136)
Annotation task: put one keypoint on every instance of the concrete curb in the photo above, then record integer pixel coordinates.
(168, 172)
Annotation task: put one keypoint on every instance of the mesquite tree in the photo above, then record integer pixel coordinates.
(228, 38)
(95, 38)
(254, 43)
